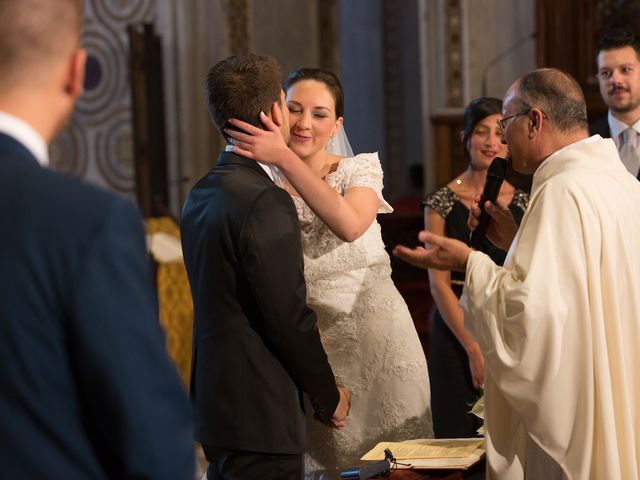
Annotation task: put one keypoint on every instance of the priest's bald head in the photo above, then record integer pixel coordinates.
(543, 111)
(42, 64)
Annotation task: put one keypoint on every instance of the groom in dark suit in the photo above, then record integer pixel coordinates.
(86, 388)
(256, 346)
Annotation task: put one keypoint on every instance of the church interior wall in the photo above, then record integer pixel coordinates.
(404, 65)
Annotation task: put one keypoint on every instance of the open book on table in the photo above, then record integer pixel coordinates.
(441, 453)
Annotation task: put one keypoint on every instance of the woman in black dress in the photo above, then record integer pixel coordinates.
(456, 365)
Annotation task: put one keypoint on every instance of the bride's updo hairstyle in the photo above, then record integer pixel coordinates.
(476, 111)
(322, 75)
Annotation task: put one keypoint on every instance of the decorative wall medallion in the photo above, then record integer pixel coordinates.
(98, 142)
(109, 11)
(106, 82)
(114, 151)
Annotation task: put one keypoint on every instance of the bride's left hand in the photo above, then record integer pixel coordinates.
(265, 146)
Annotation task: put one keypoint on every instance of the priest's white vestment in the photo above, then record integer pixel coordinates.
(559, 324)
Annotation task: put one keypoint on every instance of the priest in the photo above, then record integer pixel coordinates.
(559, 324)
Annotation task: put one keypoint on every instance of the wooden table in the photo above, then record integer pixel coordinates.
(476, 472)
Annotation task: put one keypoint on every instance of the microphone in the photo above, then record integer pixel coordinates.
(492, 184)
(369, 470)
(373, 469)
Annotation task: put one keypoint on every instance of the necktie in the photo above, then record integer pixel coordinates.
(628, 153)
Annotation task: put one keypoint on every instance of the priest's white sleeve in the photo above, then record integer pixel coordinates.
(530, 321)
(559, 324)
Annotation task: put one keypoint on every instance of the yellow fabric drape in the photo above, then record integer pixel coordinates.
(174, 301)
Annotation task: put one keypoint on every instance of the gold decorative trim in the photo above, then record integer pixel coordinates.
(328, 31)
(238, 19)
(393, 87)
(453, 57)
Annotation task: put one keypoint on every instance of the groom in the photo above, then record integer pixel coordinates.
(256, 346)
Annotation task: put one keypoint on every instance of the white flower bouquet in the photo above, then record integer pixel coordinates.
(478, 411)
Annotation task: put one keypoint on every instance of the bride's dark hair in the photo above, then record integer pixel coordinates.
(323, 75)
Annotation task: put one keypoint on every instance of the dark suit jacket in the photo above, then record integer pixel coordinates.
(256, 344)
(600, 127)
(86, 389)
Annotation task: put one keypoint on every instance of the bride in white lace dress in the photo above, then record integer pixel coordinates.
(365, 325)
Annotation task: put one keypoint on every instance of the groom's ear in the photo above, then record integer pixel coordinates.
(276, 113)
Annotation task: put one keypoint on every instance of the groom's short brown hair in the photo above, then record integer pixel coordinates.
(241, 87)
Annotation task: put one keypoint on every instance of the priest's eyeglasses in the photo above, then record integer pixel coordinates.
(504, 121)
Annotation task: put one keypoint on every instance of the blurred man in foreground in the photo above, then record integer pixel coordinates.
(86, 388)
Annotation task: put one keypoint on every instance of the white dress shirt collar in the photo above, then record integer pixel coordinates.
(617, 127)
(24, 133)
(266, 168)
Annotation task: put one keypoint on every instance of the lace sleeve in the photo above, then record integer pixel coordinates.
(520, 199)
(364, 170)
(441, 201)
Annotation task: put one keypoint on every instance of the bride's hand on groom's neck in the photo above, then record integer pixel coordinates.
(263, 145)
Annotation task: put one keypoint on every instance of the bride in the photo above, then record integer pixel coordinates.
(365, 325)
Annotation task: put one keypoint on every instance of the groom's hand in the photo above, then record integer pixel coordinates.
(339, 418)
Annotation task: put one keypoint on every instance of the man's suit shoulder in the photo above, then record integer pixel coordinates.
(77, 197)
(73, 193)
(26, 179)
(66, 208)
(600, 127)
(244, 186)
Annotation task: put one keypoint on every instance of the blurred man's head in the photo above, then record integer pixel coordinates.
(543, 111)
(41, 60)
(619, 73)
(241, 87)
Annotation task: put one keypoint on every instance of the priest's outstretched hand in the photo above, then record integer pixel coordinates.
(441, 253)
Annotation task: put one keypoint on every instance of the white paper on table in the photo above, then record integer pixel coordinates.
(460, 453)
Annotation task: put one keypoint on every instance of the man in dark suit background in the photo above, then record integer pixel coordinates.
(618, 57)
(256, 344)
(86, 388)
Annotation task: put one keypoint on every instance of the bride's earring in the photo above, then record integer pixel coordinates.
(333, 138)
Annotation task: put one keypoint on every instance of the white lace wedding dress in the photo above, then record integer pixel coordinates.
(367, 332)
